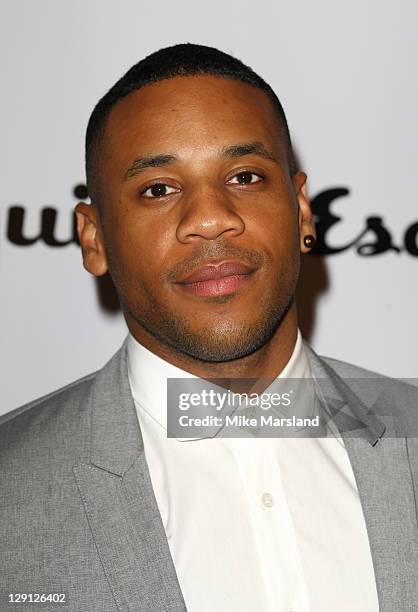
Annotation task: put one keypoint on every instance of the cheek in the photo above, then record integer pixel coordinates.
(277, 230)
(139, 252)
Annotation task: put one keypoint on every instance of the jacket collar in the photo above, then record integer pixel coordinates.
(116, 440)
(352, 411)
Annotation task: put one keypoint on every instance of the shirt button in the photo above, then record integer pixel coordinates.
(268, 500)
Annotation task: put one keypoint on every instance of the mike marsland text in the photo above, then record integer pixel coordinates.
(240, 420)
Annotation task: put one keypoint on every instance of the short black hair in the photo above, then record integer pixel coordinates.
(179, 60)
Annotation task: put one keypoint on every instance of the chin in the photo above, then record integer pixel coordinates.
(224, 342)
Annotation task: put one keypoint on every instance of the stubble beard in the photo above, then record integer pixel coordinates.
(227, 339)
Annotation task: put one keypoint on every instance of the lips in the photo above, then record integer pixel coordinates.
(220, 279)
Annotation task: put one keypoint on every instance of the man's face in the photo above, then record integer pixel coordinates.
(200, 218)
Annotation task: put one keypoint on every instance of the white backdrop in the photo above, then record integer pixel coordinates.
(346, 74)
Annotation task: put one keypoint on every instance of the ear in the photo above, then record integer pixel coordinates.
(306, 224)
(91, 238)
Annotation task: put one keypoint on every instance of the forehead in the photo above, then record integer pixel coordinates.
(190, 113)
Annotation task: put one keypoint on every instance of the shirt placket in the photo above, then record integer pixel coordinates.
(275, 537)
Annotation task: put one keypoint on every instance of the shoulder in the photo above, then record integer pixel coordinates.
(382, 394)
(350, 370)
(51, 424)
(322, 366)
(69, 393)
(56, 428)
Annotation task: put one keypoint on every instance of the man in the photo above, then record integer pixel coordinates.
(199, 215)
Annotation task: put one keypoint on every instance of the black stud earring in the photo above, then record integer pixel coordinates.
(309, 241)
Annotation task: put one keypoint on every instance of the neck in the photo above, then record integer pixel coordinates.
(265, 363)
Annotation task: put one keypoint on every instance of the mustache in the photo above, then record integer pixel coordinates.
(209, 252)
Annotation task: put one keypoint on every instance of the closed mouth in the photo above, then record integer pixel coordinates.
(217, 279)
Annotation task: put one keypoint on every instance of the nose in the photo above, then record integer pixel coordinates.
(209, 214)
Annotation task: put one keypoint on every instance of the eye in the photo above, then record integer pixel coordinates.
(245, 177)
(158, 190)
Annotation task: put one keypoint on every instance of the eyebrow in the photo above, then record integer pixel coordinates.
(248, 148)
(231, 152)
(153, 161)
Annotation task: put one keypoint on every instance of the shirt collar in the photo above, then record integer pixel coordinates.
(148, 376)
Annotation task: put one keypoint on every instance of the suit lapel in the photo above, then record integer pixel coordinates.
(386, 492)
(380, 461)
(118, 498)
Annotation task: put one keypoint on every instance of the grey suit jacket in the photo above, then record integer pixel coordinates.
(79, 516)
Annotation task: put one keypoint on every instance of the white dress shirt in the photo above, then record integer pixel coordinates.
(255, 525)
